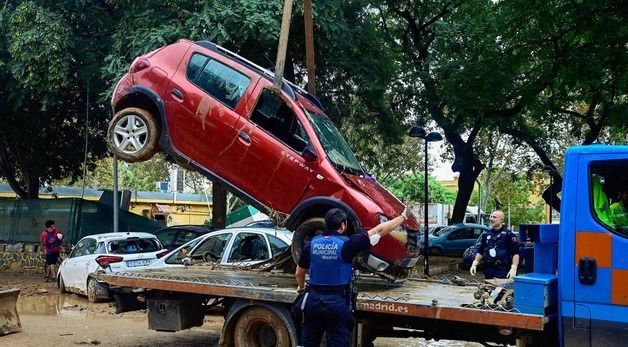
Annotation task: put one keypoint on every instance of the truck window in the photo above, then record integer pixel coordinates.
(609, 195)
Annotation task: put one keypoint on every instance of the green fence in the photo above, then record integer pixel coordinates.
(21, 221)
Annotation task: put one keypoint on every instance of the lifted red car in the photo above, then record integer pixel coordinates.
(215, 112)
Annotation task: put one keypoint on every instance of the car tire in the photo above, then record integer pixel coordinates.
(122, 137)
(259, 326)
(305, 232)
(92, 290)
(61, 284)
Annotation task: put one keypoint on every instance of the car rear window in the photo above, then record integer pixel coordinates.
(217, 79)
(134, 245)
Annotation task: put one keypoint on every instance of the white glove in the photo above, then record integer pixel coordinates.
(513, 271)
(473, 268)
(375, 239)
(406, 212)
(60, 236)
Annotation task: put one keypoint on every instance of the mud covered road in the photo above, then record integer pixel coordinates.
(52, 319)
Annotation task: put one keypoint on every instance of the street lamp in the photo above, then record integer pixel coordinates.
(427, 137)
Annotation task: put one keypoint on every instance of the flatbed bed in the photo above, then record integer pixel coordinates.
(412, 302)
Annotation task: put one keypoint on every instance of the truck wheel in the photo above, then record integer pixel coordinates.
(304, 233)
(259, 326)
(133, 135)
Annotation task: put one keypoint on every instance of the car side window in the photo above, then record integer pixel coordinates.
(194, 67)
(248, 247)
(220, 81)
(90, 247)
(215, 245)
(277, 245)
(273, 115)
(184, 237)
(79, 249)
(166, 236)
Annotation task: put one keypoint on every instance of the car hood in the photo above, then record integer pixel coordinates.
(390, 205)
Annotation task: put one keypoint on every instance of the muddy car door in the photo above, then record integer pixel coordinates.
(202, 103)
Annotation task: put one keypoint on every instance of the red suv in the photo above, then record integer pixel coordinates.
(217, 113)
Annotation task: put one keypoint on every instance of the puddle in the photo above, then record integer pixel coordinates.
(52, 305)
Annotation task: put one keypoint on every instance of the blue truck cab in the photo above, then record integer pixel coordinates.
(580, 278)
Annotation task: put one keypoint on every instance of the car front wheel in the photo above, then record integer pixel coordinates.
(133, 135)
(304, 233)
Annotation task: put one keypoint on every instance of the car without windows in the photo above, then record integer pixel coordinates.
(218, 113)
(238, 246)
(111, 252)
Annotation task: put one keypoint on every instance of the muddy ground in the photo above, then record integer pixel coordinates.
(50, 318)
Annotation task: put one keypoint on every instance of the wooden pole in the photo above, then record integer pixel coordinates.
(283, 44)
(309, 47)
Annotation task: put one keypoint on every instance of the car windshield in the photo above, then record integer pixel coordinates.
(134, 245)
(334, 144)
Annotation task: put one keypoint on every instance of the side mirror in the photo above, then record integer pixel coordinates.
(308, 153)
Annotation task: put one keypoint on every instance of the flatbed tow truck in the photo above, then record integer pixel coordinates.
(577, 294)
(176, 296)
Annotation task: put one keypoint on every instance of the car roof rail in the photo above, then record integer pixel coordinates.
(286, 86)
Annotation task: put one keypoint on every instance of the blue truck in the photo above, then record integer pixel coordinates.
(577, 294)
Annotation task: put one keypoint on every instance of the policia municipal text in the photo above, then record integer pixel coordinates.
(328, 257)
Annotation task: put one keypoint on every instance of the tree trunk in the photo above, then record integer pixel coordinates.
(28, 186)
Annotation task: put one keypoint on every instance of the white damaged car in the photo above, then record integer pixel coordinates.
(111, 252)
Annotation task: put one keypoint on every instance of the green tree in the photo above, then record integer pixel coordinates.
(48, 83)
(411, 186)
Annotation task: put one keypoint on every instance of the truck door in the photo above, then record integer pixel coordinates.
(600, 308)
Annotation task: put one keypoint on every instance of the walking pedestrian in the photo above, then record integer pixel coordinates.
(51, 238)
(499, 248)
(328, 258)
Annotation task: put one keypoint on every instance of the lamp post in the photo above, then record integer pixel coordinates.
(427, 137)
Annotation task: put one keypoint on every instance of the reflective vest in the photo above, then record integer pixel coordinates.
(619, 214)
(327, 268)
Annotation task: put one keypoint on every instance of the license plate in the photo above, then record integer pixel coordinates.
(138, 262)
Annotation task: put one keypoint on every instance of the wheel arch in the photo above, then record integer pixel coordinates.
(240, 306)
(317, 207)
(149, 100)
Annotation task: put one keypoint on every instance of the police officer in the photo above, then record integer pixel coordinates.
(499, 248)
(328, 257)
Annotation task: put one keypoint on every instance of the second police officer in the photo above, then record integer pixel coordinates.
(499, 248)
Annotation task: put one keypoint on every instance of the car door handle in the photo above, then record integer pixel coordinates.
(177, 93)
(244, 136)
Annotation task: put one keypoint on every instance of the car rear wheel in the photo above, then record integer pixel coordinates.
(133, 135)
(92, 290)
(304, 233)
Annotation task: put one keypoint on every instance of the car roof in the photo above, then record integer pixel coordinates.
(469, 225)
(119, 236)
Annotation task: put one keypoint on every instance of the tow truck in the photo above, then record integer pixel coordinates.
(577, 294)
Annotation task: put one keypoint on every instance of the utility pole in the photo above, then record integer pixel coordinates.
(283, 44)
(309, 46)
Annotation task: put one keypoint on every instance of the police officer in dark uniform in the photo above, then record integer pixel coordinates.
(499, 248)
(328, 257)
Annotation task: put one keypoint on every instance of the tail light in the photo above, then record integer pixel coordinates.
(162, 253)
(105, 260)
(139, 64)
